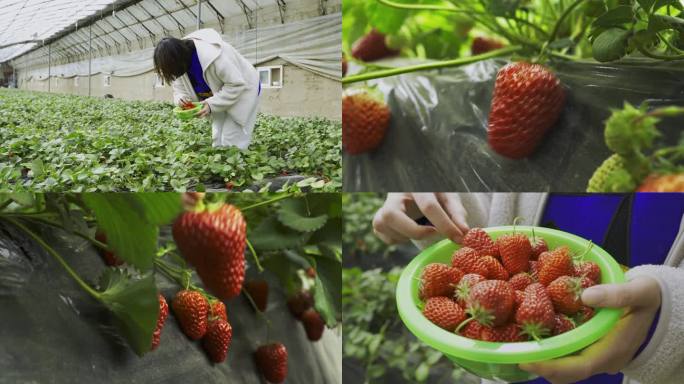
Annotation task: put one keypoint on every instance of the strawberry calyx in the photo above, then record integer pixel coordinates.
(534, 330)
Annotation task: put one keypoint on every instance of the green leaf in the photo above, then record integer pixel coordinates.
(610, 45)
(501, 7)
(296, 214)
(422, 372)
(160, 208)
(662, 22)
(37, 168)
(284, 269)
(646, 5)
(124, 218)
(615, 17)
(387, 20)
(329, 234)
(135, 305)
(271, 235)
(328, 290)
(25, 199)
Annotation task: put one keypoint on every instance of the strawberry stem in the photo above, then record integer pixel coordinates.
(57, 256)
(254, 254)
(433, 65)
(463, 323)
(267, 202)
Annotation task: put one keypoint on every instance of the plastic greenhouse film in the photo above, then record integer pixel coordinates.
(437, 140)
(54, 332)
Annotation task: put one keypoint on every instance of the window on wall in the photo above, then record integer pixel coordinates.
(76, 81)
(107, 80)
(271, 77)
(158, 82)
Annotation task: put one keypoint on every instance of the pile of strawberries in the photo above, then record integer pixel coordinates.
(186, 105)
(509, 290)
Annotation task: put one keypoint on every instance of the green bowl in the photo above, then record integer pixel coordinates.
(499, 361)
(187, 114)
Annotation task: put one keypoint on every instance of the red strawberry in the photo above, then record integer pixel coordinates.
(519, 298)
(491, 302)
(345, 65)
(439, 280)
(590, 270)
(557, 264)
(521, 280)
(213, 240)
(585, 314)
(372, 47)
(299, 303)
(365, 120)
(543, 257)
(258, 291)
(483, 45)
(444, 312)
(218, 310)
(527, 101)
(496, 271)
(565, 293)
(311, 272)
(586, 282)
(479, 240)
(515, 250)
(191, 310)
(109, 257)
(563, 324)
(313, 324)
(217, 340)
(463, 287)
(535, 315)
(538, 247)
(271, 361)
(472, 330)
(469, 260)
(161, 318)
(508, 333)
(669, 182)
(534, 270)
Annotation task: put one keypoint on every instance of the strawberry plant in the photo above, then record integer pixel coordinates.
(286, 234)
(72, 143)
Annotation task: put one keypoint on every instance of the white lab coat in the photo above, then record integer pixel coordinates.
(234, 83)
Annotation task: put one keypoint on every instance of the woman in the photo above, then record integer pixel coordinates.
(202, 67)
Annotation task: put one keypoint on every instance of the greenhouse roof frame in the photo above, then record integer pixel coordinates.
(115, 23)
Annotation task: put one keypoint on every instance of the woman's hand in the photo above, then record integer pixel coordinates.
(184, 101)
(205, 111)
(395, 221)
(640, 299)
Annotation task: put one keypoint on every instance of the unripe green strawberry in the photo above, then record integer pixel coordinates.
(515, 250)
(191, 310)
(611, 176)
(217, 340)
(444, 312)
(258, 291)
(438, 280)
(365, 120)
(161, 318)
(213, 240)
(313, 324)
(491, 302)
(629, 130)
(271, 361)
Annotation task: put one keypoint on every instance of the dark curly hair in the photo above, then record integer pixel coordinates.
(172, 58)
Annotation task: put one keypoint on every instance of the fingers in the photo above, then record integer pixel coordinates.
(561, 371)
(454, 208)
(392, 225)
(640, 292)
(433, 210)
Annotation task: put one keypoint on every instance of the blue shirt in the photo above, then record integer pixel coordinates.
(651, 226)
(197, 78)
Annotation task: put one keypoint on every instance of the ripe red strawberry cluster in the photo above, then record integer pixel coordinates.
(509, 290)
(301, 307)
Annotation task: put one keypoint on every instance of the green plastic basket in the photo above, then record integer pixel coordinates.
(499, 361)
(187, 114)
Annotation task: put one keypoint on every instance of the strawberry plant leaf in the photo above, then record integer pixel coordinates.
(283, 268)
(296, 214)
(615, 17)
(272, 235)
(160, 208)
(386, 19)
(329, 234)
(327, 290)
(134, 303)
(610, 45)
(124, 219)
(501, 7)
(325, 203)
(646, 5)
